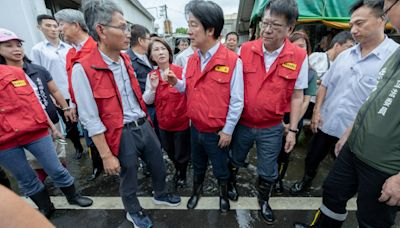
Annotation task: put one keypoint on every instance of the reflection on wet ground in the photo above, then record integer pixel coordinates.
(107, 186)
(183, 219)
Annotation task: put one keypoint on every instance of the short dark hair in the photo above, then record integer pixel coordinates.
(301, 34)
(375, 5)
(341, 38)
(42, 17)
(286, 8)
(171, 56)
(185, 40)
(208, 13)
(138, 31)
(232, 33)
(154, 35)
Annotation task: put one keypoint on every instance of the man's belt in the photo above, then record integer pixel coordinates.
(136, 123)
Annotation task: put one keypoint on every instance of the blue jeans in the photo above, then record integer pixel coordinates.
(43, 149)
(268, 142)
(205, 145)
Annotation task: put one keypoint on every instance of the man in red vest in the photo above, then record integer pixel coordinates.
(73, 28)
(275, 74)
(213, 82)
(112, 109)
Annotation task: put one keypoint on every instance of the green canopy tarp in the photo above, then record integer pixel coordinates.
(334, 12)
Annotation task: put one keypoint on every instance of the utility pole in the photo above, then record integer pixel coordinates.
(164, 14)
(167, 22)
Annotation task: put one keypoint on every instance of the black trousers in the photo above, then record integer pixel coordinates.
(140, 141)
(72, 130)
(177, 145)
(350, 176)
(321, 145)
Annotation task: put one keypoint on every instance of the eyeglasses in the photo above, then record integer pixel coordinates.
(388, 9)
(123, 28)
(274, 26)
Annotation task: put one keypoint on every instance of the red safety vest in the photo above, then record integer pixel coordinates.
(208, 91)
(171, 109)
(107, 96)
(267, 95)
(22, 118)
(73, 56)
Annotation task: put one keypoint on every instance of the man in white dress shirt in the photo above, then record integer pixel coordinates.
(51, 54)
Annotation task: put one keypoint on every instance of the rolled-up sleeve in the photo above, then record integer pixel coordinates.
(236, 102)
(87, 108)
(302, 79)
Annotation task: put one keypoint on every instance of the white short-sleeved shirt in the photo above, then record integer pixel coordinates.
(54, 60)
(349, 82)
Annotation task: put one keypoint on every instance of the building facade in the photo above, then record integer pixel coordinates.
(20, 16)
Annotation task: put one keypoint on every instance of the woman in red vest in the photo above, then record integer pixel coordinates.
(170, 107)
(12, 54)
(24, 125)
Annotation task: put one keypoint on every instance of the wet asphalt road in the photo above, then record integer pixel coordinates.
(107, 186)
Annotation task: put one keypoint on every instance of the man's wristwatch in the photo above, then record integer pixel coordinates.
(294, 130)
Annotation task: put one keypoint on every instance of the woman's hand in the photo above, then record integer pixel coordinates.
(154, 80)
(172, 79)
(56, 134)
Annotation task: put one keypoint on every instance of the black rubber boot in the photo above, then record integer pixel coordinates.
(320, 221)
(97, 163)
(233, 193)
(264, 191)
(301, 186)
(73, 134)
(4, 179)
(282, 167)
(224, 205)
(42, 201)
(278, 187)
(75, 198)
(180, 175)
(197, 191)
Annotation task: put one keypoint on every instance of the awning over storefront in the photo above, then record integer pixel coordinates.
(332, 13)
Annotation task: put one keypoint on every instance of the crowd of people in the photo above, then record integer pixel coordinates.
(208, 104)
